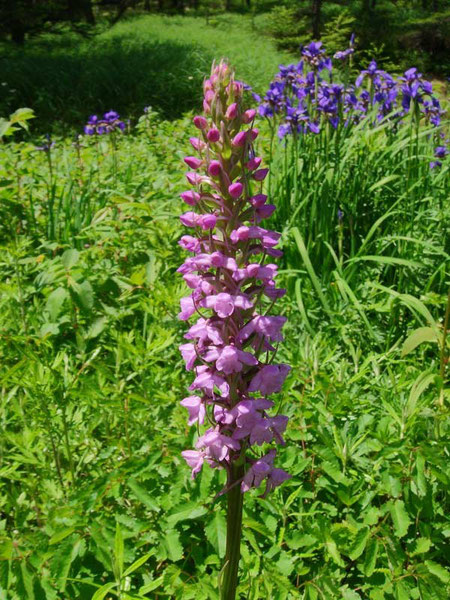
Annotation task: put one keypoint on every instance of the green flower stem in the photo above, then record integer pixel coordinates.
(234, 529)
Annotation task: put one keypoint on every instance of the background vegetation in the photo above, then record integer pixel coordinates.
(95, 500)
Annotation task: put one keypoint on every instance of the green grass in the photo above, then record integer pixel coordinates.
(152, 60)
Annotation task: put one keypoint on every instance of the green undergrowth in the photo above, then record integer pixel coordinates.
(95, 500)
(147, 60)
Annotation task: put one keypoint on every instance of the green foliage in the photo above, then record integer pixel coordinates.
(18, 119)
(148, 60)
(95, 500)
(399, 34)
(287, 27)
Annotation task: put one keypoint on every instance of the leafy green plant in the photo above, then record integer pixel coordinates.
(18, 119)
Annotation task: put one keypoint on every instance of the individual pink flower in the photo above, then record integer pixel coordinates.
(189, 355)
(259, 470)
(240, 139)
(196, 409)
(187, 308)
(207, 380)
(224, 304)
(194, 459)
(190, 197)
(268, 326)
(229, 359)
(269, 379)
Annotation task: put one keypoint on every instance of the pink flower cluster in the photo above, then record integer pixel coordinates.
(231, 347)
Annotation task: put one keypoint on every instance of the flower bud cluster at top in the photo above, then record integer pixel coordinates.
(306, 97)
(110, 122)
(232, 344)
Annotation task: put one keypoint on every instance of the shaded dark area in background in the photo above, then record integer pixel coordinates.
(68, 85)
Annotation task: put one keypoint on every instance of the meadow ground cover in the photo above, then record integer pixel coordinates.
(95, 498)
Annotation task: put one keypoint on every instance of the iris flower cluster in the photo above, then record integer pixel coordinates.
(306, 98)
(232, 345)
(110, 122)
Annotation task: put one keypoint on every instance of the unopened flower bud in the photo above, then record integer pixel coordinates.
(258, 200)
(190, 197)
(239, 139)
(200, 122)
(249, 115)
(197, 143)
(214, 168)
(235, 190)
(193, 178)
(193, 162)
(260, 174)
(213, 135)
(253, 163)
(231, 111)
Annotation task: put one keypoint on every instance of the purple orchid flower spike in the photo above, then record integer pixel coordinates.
(231, 342)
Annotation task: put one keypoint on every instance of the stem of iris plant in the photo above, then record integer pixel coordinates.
(443, 357)
(229, 580)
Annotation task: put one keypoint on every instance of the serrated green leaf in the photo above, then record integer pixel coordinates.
(70, 258)
(438, 570)
(251, 538)
(96, 328)
(285, 563)
(60, 535)
(370, 557)
(333, 551)
(421, 546)
(359, 543)
(142, 495)
(401, 591)
(84, 294)
(6, 548)
(26, 581)
(350, 595)
(400, 518)
(334, 472)
(311, 591)
(62, 560)
(216, 532)
(186, 512)
(4, 574)
(55, 302)
(173, 545)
